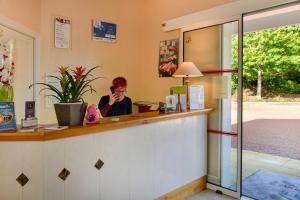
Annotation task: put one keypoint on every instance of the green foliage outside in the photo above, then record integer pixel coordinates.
(276, 52)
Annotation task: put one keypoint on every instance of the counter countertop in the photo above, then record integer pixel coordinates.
(105, 124)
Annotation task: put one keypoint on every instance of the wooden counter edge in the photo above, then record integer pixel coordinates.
(90, 129)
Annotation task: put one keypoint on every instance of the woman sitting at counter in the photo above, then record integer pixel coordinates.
(116, 103)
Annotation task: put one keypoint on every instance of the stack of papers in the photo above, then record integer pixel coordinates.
(54, 128)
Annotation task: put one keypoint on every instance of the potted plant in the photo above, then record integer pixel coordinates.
(73, 84)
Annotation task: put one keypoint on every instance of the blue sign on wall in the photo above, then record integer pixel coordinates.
(104, 31)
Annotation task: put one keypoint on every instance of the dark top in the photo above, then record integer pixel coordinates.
(123, 107)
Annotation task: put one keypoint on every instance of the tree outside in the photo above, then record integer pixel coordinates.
(271, 62)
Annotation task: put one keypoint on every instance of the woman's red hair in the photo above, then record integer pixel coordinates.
(119, 82)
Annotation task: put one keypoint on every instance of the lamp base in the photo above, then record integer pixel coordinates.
(187, 83)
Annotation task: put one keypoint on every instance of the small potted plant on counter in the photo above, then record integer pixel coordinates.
(73, 84)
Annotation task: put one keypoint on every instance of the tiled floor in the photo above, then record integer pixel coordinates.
(209, 195)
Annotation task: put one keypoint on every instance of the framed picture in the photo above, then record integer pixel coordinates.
(168, 57)
(104, 31)
(62, 33)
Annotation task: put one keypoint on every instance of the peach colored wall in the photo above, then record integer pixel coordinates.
(120, 58)
(25, 12)
(158, 11)
(135, 55)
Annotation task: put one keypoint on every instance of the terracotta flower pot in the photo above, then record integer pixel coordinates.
(70, 114)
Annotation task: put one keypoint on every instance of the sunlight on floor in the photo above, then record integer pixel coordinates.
(253, 161)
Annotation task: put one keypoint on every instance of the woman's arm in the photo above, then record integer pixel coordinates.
(104, 106)
(105, 110)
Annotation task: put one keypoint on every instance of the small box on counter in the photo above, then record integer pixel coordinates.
(145, 106)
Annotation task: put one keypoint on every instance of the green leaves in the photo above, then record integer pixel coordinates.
(277, 53)
(71, 88)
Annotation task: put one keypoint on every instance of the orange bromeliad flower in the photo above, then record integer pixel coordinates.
(79, 72)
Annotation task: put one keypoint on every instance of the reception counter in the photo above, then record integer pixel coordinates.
(146, 156)
(105, 125)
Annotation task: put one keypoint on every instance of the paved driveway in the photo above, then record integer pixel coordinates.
(272, 128)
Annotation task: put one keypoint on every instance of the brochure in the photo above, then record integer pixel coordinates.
(56, 128)
(7, 116)
(196, 97)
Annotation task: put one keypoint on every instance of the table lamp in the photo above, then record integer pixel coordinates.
(187, 70)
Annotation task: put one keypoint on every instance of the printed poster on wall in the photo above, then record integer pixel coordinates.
(104, 31)
(62, 33)
(168, 57)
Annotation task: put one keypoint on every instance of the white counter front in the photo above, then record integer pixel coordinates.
(141, 162)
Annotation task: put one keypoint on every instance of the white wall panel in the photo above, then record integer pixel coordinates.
(113, 150)
(54, 162)
(32, 167)
(82, 183)
(10, 169)
(168, 156)
(141, 162)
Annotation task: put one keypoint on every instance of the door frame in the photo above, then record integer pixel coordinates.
(205, 24)
(8, 23)
(240, 84)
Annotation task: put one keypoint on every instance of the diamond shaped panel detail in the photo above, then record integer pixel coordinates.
(99, 164)
(22, 179)
(64, 174)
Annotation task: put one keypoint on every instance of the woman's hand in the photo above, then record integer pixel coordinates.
(112, 98)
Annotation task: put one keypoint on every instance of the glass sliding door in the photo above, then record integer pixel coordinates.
(251, 78)
(214, 50)
(271, 104)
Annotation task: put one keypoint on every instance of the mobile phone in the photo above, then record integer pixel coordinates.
(112, 89)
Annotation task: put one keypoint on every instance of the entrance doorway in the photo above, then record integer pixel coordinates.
(251, 68)
(271, 104)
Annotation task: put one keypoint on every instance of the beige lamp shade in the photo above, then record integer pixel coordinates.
(187, 69)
